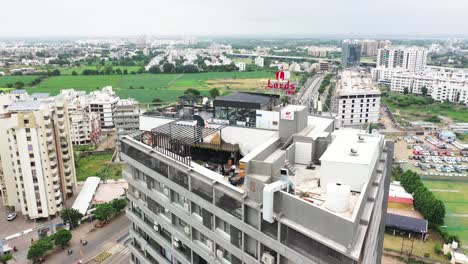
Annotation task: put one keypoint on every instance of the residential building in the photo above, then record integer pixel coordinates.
(369, 47)
(126, 118)
(85, 126)
(412, 59)
(183, 212)
(260, 62)
(357, 99)
(36, 157)
(324, 66)
(241, 66)
(103, 102)
(441, 83)
(350, 53)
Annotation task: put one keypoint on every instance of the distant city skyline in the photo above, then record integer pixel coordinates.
(359, 18)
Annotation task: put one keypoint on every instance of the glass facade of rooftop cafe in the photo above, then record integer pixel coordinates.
(240, 108)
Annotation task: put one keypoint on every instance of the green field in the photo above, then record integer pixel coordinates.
(12, 79)
(456, 202)
(80, 69)
(142, 87)
(98, 165)
(418, 109)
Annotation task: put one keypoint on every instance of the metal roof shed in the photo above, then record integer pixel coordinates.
(406, 223)
(84, 199)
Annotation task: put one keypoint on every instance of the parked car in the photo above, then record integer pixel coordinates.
(11, 216)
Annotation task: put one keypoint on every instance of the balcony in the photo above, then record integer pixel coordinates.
(57, 187)
(57, 194)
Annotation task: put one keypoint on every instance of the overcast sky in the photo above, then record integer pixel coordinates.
(26, 18)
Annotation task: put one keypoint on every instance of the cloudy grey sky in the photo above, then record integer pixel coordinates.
(241, 17)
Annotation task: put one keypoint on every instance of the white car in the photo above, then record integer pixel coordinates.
(11, 216)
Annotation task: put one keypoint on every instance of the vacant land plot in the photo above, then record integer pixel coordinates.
(5, 80)
(98, 165)
(418, 109)
(456, 205)
(394, 243)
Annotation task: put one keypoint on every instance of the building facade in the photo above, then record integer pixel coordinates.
(350, 53)
(36, 158)
(260, 62)
(357, 99)
(103, 103)
(126, 118)
(412, 59)
(182, 212)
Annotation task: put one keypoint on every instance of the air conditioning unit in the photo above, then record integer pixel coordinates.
(187, 206)
(209, 244)
(267, 258)
(166, 191)
(219, 253)
(156, 227)
(187, 230)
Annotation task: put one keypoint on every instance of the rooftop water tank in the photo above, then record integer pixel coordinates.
(338, 196)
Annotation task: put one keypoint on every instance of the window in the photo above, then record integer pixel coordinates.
(180, 200)
(200, 237)
(222, 226)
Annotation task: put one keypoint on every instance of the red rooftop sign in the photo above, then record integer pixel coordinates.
(281, 84)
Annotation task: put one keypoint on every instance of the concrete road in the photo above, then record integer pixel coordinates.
(109, 238)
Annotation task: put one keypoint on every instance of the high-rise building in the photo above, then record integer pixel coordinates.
(350, 53)
(412, 59)
(37, 166)
(260, 62)
(85, 126)
(103, 102)
(241, 66)
(357, 99)
(369, 47)
(273, 209)
(126, 118)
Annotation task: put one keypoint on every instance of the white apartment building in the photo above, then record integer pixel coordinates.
(241, 66)
(260, 62)
(442, 83)
(36, 157)
(357, 99)
(412, 59)
(85, 126)
(103, 102)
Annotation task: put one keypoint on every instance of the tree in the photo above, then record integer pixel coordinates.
(62, 237)
(71, 216)
(214, 92)
(284, 100)
(154, 69)
(5, 258)
(168, 68)
(55, 72)
(104, 212)
(108, 69)
(39, 249)
(192, 92)
(157, 100)
(118, 71)
(19, 85)
(125, 71)
(74, 73)
(424, 90)
(119, 204)
(405, 91)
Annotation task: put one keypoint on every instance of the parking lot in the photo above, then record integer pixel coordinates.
(429, 156)
(12, 227)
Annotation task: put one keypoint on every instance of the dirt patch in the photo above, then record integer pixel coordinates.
(409, 213)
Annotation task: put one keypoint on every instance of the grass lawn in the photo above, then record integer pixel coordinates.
(12, 79)
(455, 203)
(98, 165)
(393, 243)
